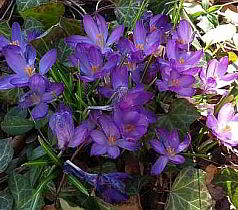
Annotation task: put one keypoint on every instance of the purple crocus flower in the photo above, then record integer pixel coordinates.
(224, 127)
(215, 77)
(23, 65)
(97, 32)
(168, 146)
(184, 35)
(110, 187)
(180, 60)
(160, 22)
(107, 140)
(91, 62)
(17, 38)
(42, 92)
(62, 125)
(176, 82)
(132, 125)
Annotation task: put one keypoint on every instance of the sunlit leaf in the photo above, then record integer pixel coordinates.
(6, 201)
(16, 125)
(6, 153)
(217, 34)
(65, 206)
(189, 191)
(23, 192)
(180, 116)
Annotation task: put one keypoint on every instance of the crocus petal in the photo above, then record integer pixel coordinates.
(192, 71)
(185, 31)
(228, 78)
(163, 134)
(171, 49)
(37, 84)
(54, 90)
(5, 83)
(139, 34)
(222, 66)
(39, 111)
(15, 60)
(157, 146)
(19, 82)
(108, 126)
(174, 139)
(212, 66)
(115, 35)
(159, 165)
(90, 28)
(73, 40)
(120, 78)
(184, 145)
(186, 91)
(211, 122)
(98, 149)
(125, 46)
(3, 42)
(162, 86)
(102, 27)
(113, 152)
(95, 58)
(30, 55)
(152, 42)
(127, 144)
(186, 80)
(177, 159)
(47, 61)
(79, 137)
(99, 137)
(226, 113)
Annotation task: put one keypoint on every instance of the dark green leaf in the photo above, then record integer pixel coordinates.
(48, 14)
(35, 173)
(16, 112)
(10, 96)
(41, 122)
(162, 6)
(135, 185)
(189, 191)
(23, 193)
(6, 201)
(27, 4)
(16, 125)
(180, 116)
(228, 180)
(6, 153)
(72, 26)
(37, 153)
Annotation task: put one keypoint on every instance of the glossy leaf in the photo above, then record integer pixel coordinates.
(5, 29)
(6, 153)
(23, 192)
(180, 116)
(189, 191)
(6, 201)
(31, 24)
(49, 14)
(16, 112)
(16, 125)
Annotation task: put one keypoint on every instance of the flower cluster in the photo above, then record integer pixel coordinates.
(125, 69)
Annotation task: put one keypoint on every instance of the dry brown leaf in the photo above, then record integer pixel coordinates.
(132, 204)
(49, 207)
(211, 171)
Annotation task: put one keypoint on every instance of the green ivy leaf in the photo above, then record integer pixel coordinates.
(16, 112)
(27, 4)
(6, 201)
(180, 116)
(23, 193)
(72, 26)
(189, 191)
(6, 153)
(228, 180)
(49, 14)
(16, 125)
(31, 24)
(129, 11)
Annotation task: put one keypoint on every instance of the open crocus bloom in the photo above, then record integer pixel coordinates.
(168, 146)
(225, 126)
(215, 77)
(97, 32)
